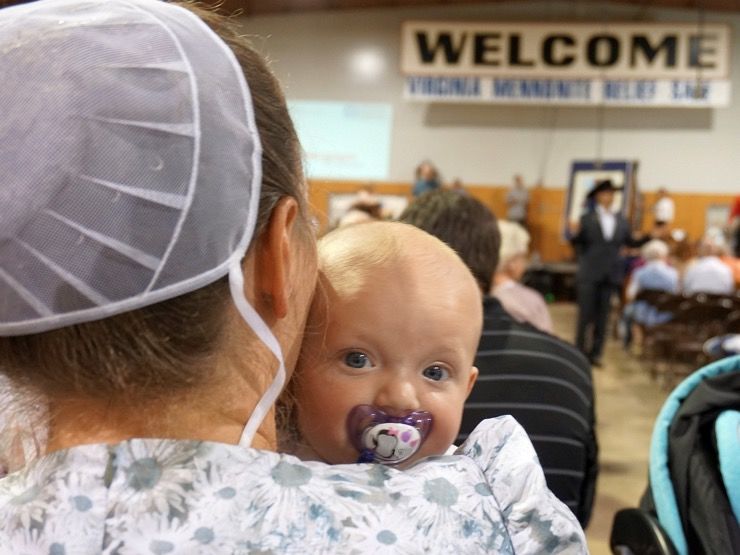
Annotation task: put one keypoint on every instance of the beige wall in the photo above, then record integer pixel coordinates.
(687, 150)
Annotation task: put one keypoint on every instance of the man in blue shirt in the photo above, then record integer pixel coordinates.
(426, 179)
(655, 275)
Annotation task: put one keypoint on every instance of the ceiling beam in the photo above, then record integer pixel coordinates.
(260, 7)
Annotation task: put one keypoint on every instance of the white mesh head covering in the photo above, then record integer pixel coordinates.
(130, 164)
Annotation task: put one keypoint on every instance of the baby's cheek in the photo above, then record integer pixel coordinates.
(437, 443)
(323, 426)
(444, 432)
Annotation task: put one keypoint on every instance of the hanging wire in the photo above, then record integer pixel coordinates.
(600, 116)
(700, 20)
(549, 120)
(601, 112)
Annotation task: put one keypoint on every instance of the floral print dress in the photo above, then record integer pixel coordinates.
(153, 496)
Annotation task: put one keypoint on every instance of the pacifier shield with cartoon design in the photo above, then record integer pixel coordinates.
(383, 438)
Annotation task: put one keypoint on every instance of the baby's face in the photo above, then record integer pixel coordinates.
(406, 341)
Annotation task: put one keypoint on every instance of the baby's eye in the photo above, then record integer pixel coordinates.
(355, 359)
(436, 373)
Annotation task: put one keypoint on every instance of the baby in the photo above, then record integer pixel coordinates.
(387, 360)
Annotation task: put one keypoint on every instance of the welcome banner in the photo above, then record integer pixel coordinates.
(568, 63)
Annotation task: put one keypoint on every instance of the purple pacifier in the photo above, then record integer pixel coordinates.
(386, 439)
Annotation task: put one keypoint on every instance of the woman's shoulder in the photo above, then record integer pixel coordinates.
(187, 494)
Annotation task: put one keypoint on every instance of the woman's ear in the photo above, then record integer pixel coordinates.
(275, 260)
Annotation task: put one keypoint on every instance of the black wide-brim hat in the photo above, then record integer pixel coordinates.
(603, 185)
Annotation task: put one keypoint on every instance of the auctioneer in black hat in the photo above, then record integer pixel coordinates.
(603, 185)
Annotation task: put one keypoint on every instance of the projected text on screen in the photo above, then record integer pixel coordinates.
(344, 140)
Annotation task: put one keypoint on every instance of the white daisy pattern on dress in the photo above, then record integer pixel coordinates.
(382, 533)
(533, 516)
(31, 541)
(155, 497)
(26, 494)
(75, 504)
(156, 475)
(153, 535)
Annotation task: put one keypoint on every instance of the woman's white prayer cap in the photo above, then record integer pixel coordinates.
(130, 163)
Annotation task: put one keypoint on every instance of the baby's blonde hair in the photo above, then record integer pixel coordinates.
(347, 255)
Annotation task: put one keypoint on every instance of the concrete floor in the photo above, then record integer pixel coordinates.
(627, 403)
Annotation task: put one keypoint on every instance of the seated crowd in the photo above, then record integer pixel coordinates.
(704, 290)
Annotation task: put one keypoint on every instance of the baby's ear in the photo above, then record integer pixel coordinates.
(472, 378)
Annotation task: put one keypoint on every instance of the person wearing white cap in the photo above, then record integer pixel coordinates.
(156, 268)
(523, 303)
(664, 209)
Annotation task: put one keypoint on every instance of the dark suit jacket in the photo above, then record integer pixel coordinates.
(598, 259)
